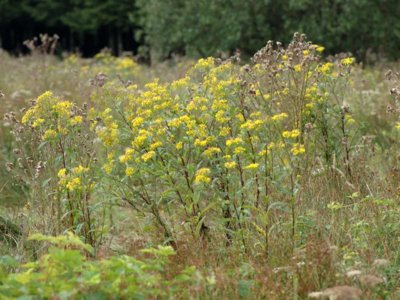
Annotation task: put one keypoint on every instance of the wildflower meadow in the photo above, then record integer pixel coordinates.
(274, 177)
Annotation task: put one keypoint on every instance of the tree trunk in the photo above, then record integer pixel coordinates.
(119, 43)
(71, 41)
(111, 40)
(96, 39)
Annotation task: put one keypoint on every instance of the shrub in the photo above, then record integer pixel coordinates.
(66, 272)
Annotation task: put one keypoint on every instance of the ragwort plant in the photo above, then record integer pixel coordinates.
(56, 159)
(228, 148)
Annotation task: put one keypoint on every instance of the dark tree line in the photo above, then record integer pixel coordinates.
(160, 28)
(84, 25)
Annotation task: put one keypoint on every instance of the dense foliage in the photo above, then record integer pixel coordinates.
(209, 27)
(65, 272)
(205, 27)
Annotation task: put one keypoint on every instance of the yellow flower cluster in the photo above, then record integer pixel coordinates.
(291, 134)
(253, 166)
(49, 134)
(107, 64)
(234, 141)
(202, 176)
(149, 155)
(209, 152)
(204, 64)
(108, 130)
(51, 116)
(127, 156)
(72, 181)
(279, 117)
(230, 164)
(347, 61)
(217, 116)
(298, 149)
(252, 124)
(129, 171)
(325, 68)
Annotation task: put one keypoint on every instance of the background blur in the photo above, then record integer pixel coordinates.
(159, 29)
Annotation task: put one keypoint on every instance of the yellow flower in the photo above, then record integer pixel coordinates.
(175, 122)
(211, 151)
(137, 122)
(326, 67)
(38, 122)
(347, 61)
(180, 83)
(74, 184)
(155, 145)
(349, 119)
(129, 171)
(62, 173)
(76, 120)
(129, 152)
(49, 134)
(80, 170)
(125, 63)
(202, 176)
(179, 146)
(220, 104)
(109, 134)
(46, 95)
(234, 141)
(252, 166)
(28, 115)
(127, 156)
(273, 145)
(310, 106)
(200, 143)
(123, 159)
(291, 134)
(279, 117)
(140, 140)
(297, 68)
(230, 164)
(224, 131)
(148, 155)
(263, 152)
(298, 149)
(219, 117)
(239, 150)
(108, 167)
(251, 124)
(240, 117)
(204, 63)
(318, 48)
(62, 107)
